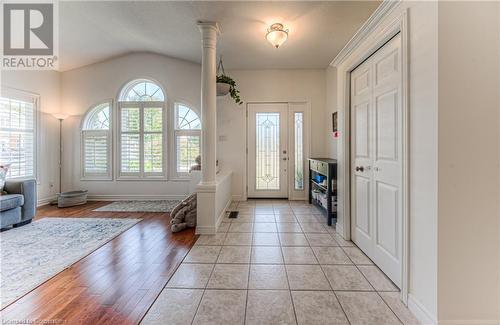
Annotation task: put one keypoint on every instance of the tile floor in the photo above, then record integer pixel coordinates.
(277, 263)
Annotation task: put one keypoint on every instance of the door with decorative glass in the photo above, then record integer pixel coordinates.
(276, 150)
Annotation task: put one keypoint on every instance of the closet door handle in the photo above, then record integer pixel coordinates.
(360, 168)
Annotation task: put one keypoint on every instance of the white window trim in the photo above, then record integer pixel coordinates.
(181, 176)
(141, 175)
(97, 177)
(27, 96)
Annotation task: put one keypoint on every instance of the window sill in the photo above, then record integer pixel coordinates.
(93, 179)
(143, 179)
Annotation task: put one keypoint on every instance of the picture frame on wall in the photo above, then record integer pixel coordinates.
(334, 122)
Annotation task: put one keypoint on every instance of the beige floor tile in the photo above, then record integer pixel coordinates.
(191, 276)
(288, 227)
(243, 218)
(234, 254)
(269, 307)
(357, 256)
(331, 255)
(298, 255)
(266, 255)
(264, 210)
(264, 218)
(241, 227)
(346, 277)
(306, 218)
(238, 238)
(267, 277)
(174, 306)
(223, 227)
(302, 210)
(211, 240)
(366, 308)
(404, 314)
(203, 254)
(306, 277)
(316, 239)
(229, 276)
(221, 307)
(285, 218)
(265, 239)
(265, 227)
(315, 227)
(293, 239)
(318, 308)
(377, 278)
(342, 242)
(283, 211)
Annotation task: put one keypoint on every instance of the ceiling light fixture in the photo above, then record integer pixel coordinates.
(277, 34)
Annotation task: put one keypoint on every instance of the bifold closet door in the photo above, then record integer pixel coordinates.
(376, 158)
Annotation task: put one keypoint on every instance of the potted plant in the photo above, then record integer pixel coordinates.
(226, 85)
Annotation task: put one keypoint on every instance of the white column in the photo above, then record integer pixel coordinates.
(209, 32)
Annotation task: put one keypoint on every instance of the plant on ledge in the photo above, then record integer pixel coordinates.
(226, 85)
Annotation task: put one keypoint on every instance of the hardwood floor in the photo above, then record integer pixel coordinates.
(117, 283)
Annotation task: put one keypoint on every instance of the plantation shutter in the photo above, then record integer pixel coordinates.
(17, 136)
(96, 155)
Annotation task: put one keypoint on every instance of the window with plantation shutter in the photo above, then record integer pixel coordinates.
(187, 138)
(18, 133)
(142, 129)
(96, 142)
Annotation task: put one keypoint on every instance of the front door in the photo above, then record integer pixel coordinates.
(268, 150)
(376, 161)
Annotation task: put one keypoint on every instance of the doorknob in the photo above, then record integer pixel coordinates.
(360, 168)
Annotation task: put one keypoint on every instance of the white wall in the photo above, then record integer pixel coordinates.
(46, 84)
(423, 92)
(81, 88)
(331, 107)
(266, 86)
(468, 249)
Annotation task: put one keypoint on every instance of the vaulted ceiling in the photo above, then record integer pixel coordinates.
(93, 31)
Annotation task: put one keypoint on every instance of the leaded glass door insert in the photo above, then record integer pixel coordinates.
(267, 158)
(267, 150)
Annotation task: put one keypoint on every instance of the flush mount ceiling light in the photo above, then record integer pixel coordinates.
(277, 34)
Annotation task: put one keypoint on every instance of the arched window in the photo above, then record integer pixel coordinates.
(96, 142)
(141, 117)
(187, 137)
(142, 90)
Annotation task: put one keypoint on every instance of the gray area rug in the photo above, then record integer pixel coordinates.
(34, 253)
(140, 206)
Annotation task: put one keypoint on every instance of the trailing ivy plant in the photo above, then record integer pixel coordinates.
(233, 92)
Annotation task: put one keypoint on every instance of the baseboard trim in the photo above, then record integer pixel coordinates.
(107, 197)
(221, 215)
(420, 312)
(205, 230)
(45, 201)
(237, 198)
(468, 322)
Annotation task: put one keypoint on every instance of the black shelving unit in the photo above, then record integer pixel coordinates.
(327, 168)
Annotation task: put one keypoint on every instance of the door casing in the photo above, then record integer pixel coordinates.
(371, 37)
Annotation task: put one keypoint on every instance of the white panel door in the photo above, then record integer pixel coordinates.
(267, 150)
(377, 158)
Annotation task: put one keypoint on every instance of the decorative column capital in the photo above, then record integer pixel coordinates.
(209, 32)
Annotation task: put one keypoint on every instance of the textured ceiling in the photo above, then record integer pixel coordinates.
(92, 31)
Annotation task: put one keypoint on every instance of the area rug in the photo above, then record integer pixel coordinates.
(32, 254)
(140, 206)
